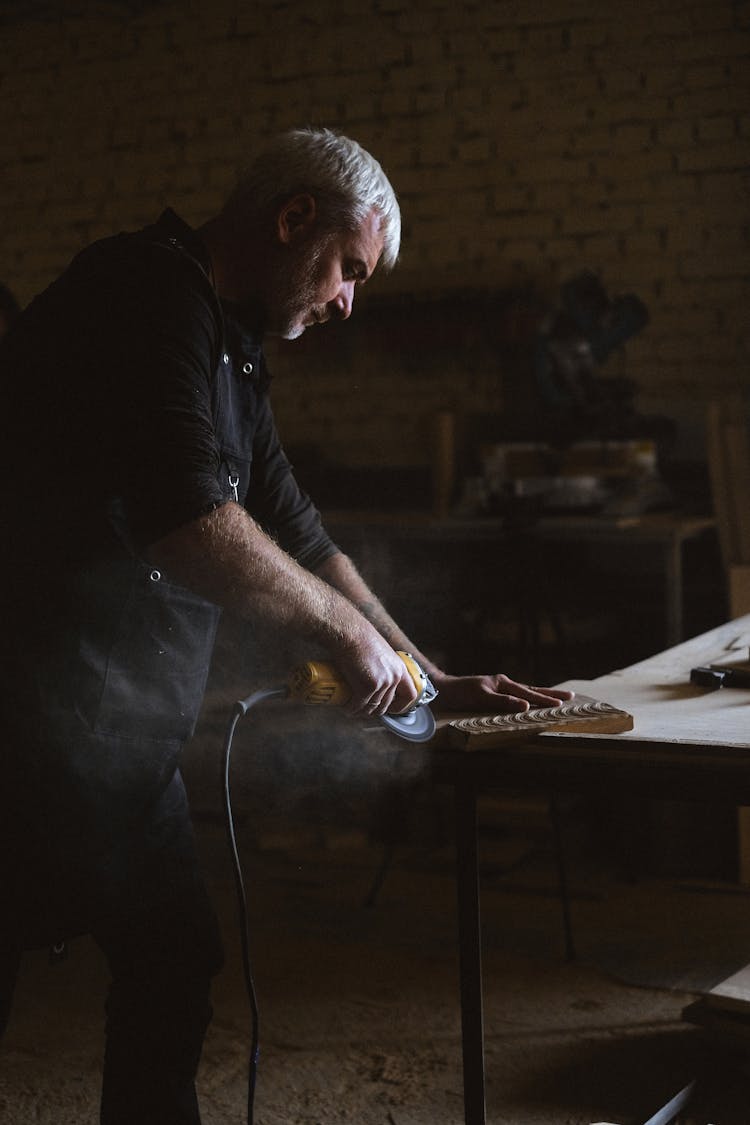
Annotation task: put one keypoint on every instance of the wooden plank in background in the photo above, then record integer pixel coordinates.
(737, 452)
(721, 485)
(739, 588)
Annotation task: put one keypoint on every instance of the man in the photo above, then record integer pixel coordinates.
(144, 487)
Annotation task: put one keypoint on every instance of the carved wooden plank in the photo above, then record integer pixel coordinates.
(582, 715)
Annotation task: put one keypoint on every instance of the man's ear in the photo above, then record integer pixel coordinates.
(296, 218)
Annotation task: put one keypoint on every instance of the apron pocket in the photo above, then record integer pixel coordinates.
(156, 670)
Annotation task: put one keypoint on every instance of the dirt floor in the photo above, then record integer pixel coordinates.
(359, 1003)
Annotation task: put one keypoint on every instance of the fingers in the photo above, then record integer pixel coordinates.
(556, 692)
(404, 697)
(528, 697)
(394, 698)
(379, 682)
(547, 697)
(509, 704)
(495, 692)
(377, 703)
(537, 696)
(397, 697)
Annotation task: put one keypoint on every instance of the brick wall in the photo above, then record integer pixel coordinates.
(527, 140)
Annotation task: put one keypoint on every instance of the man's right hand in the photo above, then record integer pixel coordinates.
(377, 676)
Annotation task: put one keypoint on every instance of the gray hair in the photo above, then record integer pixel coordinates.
(345, 180)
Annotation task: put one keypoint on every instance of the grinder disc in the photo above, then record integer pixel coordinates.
(415, 726)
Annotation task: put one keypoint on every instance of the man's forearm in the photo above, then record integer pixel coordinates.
(340, 572)
(228, 559)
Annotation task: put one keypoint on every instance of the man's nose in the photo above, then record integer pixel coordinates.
(344, 300)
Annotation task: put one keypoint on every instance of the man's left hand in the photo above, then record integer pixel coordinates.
(498, 694)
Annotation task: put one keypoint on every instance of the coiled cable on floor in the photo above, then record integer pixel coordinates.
(239, 711)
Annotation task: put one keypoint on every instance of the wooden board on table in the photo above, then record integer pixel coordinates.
(582, 715)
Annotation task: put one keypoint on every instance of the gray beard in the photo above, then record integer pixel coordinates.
(294, 292)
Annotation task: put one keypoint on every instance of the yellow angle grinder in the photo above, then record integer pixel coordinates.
(318, 682)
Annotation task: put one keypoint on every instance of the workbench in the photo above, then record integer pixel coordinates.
(686, 743)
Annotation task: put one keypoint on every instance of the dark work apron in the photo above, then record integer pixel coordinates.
(106, 695)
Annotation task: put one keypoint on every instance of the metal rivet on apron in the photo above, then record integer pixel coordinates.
(247, 368)
(155, 576)
(226, 357)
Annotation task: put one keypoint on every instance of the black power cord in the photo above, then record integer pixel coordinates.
(241, 708)
(422, 730)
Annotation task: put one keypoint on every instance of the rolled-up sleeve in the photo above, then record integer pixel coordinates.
(277, 502)
(172, 454)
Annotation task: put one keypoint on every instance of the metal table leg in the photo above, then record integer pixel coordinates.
(470, 953)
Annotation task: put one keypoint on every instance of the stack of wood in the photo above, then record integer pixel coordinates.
(724, 1012)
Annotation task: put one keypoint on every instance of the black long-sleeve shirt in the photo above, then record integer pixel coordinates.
(126, 379)
(134, 403)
